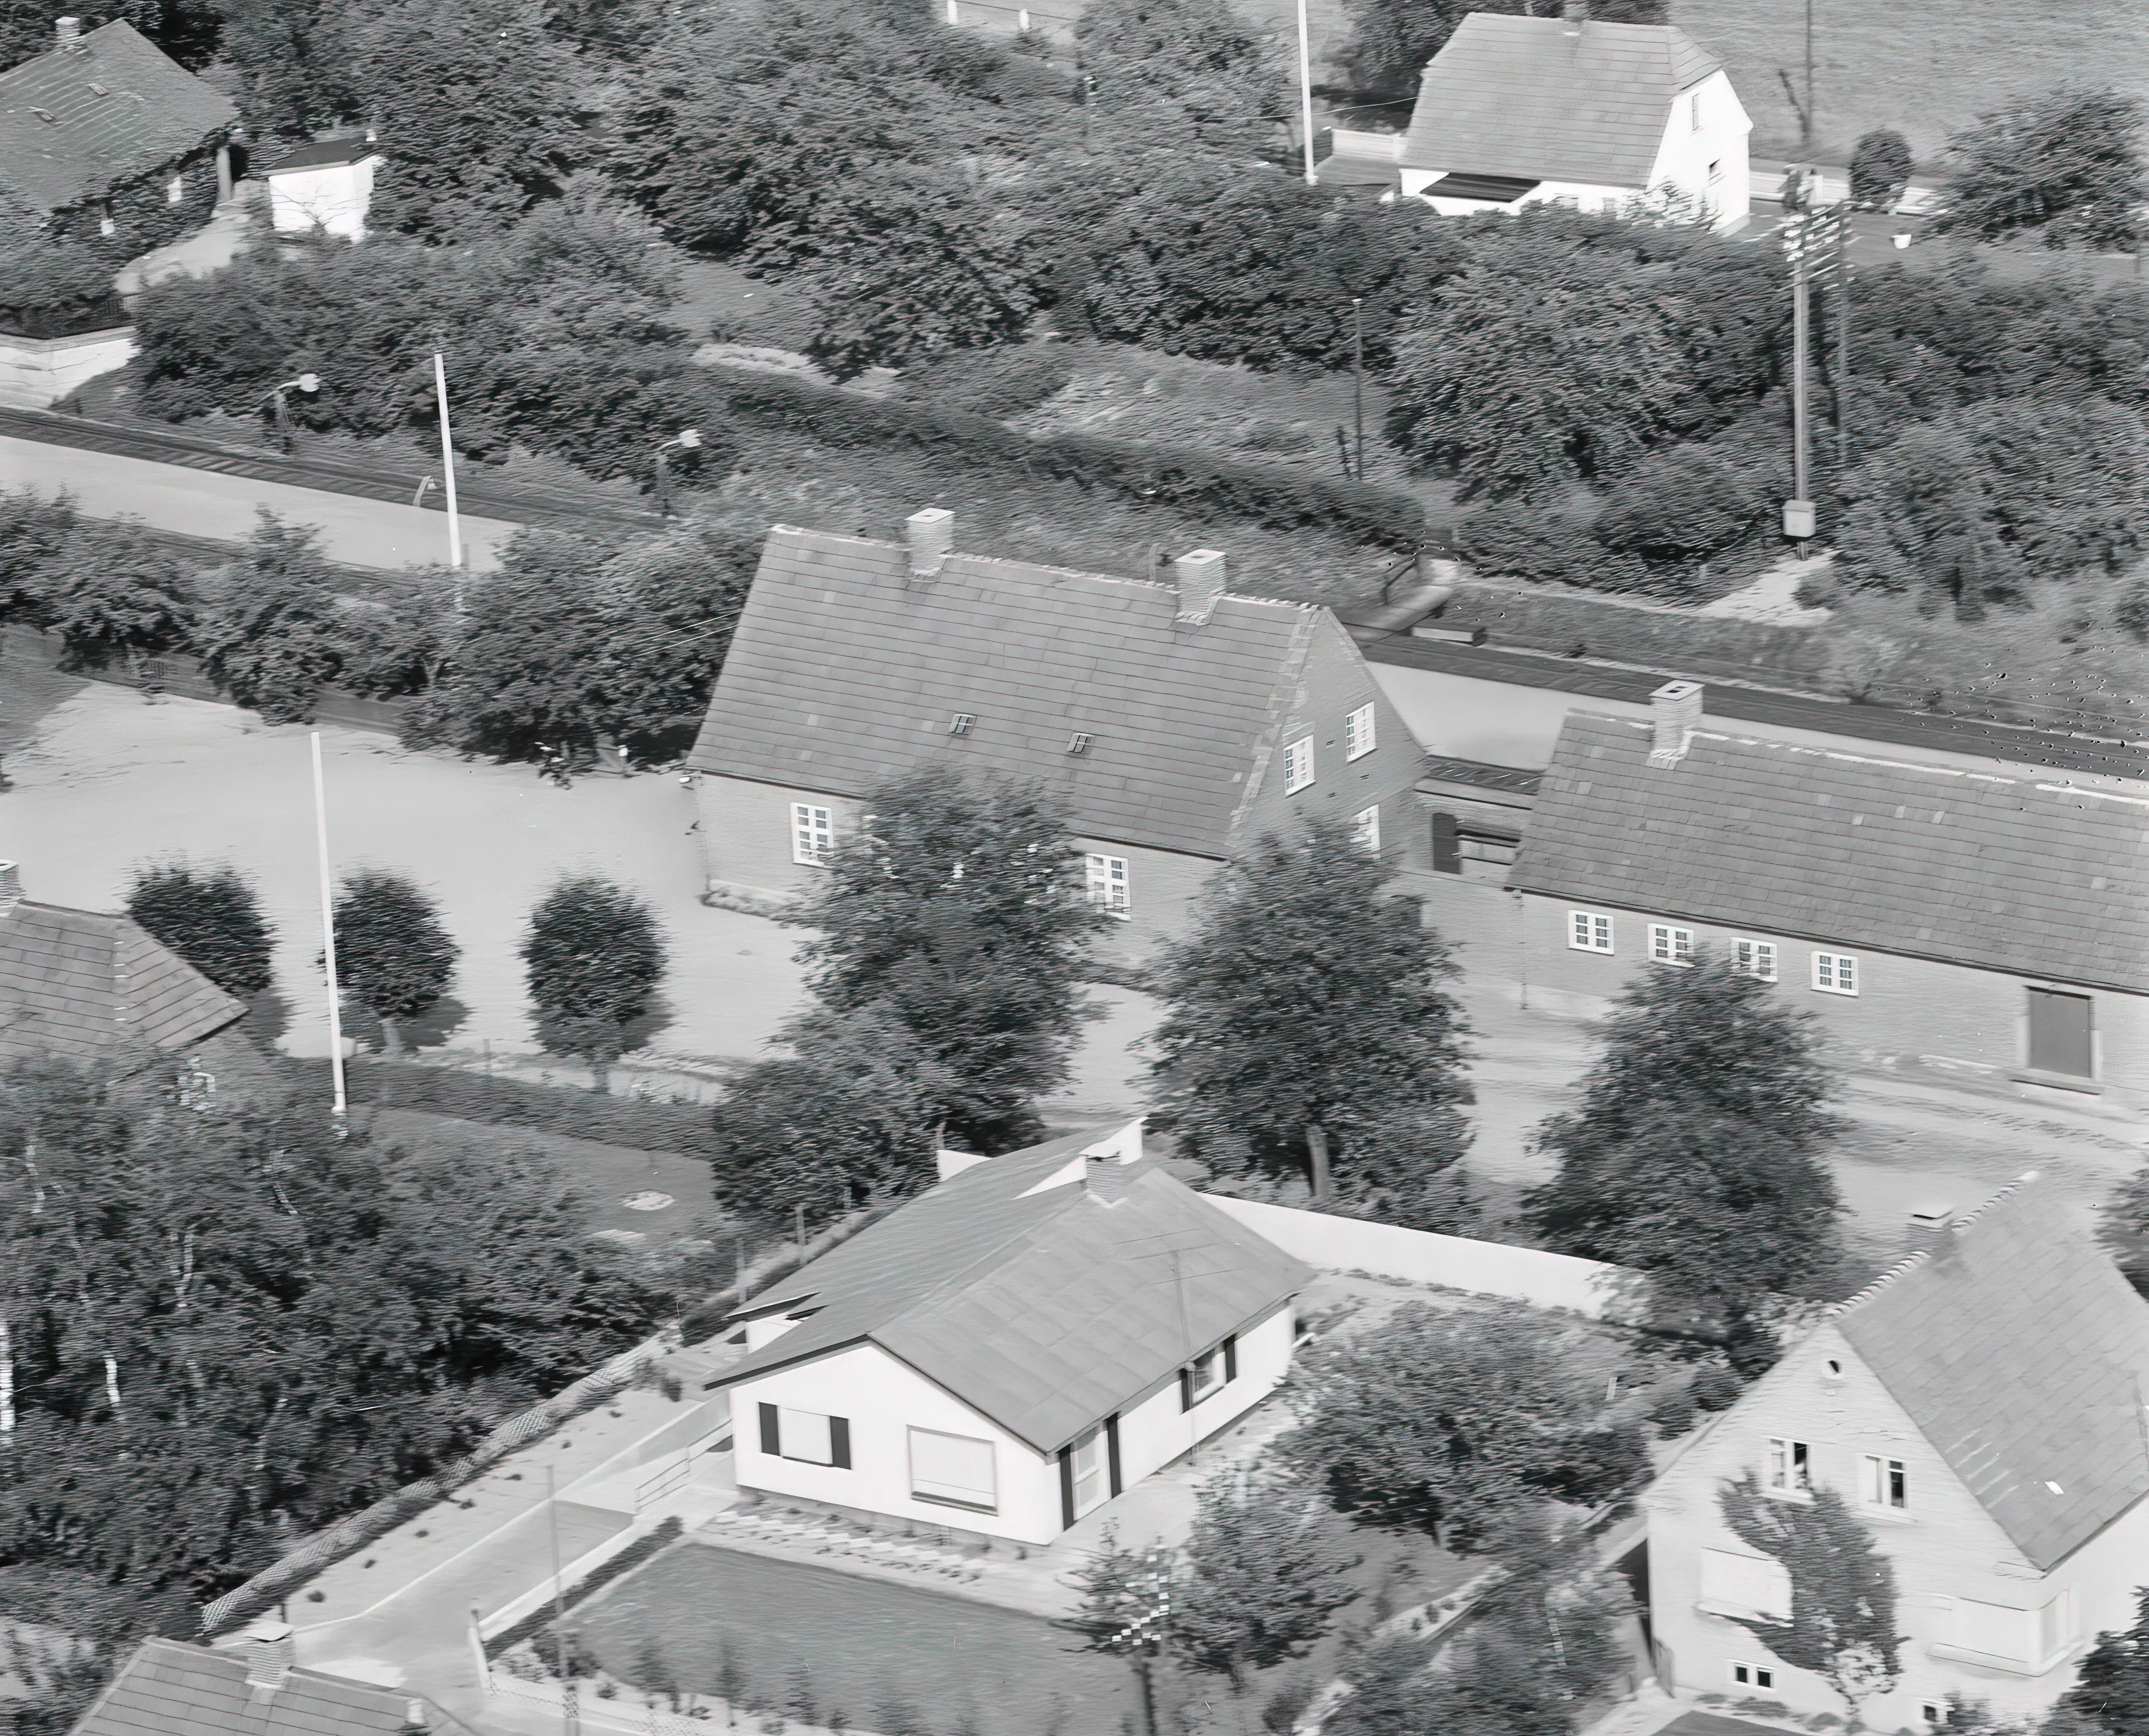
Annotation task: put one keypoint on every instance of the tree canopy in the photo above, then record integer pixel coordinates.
(1262, 1576)
(2063, 167)
(211, 916)
(593, 954)
(394, 956)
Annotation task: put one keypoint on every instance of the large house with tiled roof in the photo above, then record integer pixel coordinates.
(87, 988)
(1009, 1351)
(1179, 721)
(108, 138)
(1981, 1409)
(1987, 924)
(1571, 110)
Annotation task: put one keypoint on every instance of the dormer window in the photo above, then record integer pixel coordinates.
(1078, 743)
(960, 723)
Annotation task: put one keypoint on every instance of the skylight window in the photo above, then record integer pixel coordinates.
(1078, 743)
(959, 724)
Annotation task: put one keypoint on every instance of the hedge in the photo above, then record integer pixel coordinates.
(636, 1123)
(666, 1531)
(1202, 483)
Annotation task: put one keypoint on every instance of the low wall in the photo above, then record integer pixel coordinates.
(1417, 1256)
(36, 373)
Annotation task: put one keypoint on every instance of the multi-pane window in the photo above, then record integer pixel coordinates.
(1208, 1373)
(1753, 1675)
(1887, 1484)
(1297, 765)
(1670, 946)
(1755, 959)
(812, 834)
(1836, 973)
(1587, 932)
(1366, 825)
(1789, 1468)
(1108, 885)
(1358, 733)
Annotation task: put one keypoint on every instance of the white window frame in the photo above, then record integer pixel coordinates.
(1366, 824)
(1884, 1484)
(1787, 1472)
(1761, 1678)
(1589, 931)
(1837, 973)
(1671, 945)
(175, 190)
(1109, 884)
(812, 834)
(1090, 1472)
(1298, 765)
(1358, 733)
(945, 1494)
(1754, 958)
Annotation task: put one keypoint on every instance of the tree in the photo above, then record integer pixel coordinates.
(393, 955)
(594, 955)
(1879, 169)
(1448, 1423)
(1193, 67)
(2064, 166)
(1842, 1621)
(1262, 1575)
(526, 672)
(1701, 1131)
(957, 910)
(674, 601)
(1307, 1020)
(35, 530)
(1392, 40)
(110, 593)
(1125, 1610)
(2124, 1228)
(211, 917)
(2110, 1691)
(851, 1114)
(269, 635)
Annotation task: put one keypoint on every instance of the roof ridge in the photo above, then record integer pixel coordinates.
(1886, 1281)
(2007, 1193)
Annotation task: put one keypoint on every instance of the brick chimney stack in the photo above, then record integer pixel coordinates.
(270, 1651)
(1199, 577)
(11, 886)
(1675, 712)
(932, 537)
(1106, 1177)
(69, 31)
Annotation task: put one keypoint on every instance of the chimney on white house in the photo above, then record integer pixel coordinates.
(1675, 712)
(11, 886)
(1574, 13)
(416, 1722)
(1199, 577)
(932, 537)
(269, 1651)
(1106, 1178)
(69, 31)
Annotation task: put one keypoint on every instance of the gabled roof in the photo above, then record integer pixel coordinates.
(2006, 872)
(2023, 1357)
(80, 121)
(171, 1689)
(324, 154)
(1016, 1289)
(1525, 98)
(840, 675)
(73, 983)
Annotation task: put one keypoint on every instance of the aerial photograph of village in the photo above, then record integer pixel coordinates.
(1339, 921)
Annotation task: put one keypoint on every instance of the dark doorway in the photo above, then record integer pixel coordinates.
(2059, 1039)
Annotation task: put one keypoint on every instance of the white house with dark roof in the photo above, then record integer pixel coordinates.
(1007, 1352)
(1516, 111)
(1179, 721)
(1981, 1409)
(1993, 924)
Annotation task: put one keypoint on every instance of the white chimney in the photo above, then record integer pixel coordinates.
(69, 32)
(932, 534)
(269, 1651)
(1201, 580)
(11, 886)
(1105, 1179)
(1576, 14)
(414, 1720)
(1675, 711)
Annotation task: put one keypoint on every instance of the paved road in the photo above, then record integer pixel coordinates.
(207, 503)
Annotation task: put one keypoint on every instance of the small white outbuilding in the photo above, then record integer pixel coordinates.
(324, 188)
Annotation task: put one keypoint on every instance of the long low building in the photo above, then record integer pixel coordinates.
(1992, 921)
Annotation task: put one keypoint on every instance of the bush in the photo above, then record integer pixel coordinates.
(634, 1123)
(996, 383)
(1526, 540)
(2064, 166)
(1673, 1411)
(1681, 506)
(53, 288)
(1879, 169)
(1716, 1387)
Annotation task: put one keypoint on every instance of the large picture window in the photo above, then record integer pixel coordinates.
(952, 1470)
(808, 1436)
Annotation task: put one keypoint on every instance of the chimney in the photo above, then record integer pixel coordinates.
(69, 33)
(414, 1720)
(11, 886)
(932, 534)
(1106, 1179)
(269, 1652)
(1575, 13)
(1199, 577)
(1675, 709)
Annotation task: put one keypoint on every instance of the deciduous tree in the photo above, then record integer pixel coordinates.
(2064, 166)
(1842, 1621)
(1308, 1021)
(210, 915)
(1263, 1573)
(393, 955)
(110, 593)
(269, 632)
(1879, 169)
(2110, 1691)
(1125, 1608)
(594, 955)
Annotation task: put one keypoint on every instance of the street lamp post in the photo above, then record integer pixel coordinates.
(1305, 90)
(448, 474)
(309, 383)
(686, 440)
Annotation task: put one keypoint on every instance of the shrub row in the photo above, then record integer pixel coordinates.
(1199, 482)
(598, 1577)
(635, 1123)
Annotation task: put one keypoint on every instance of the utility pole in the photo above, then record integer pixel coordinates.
(448, 476)
(1798, 511)
(1305, 90)
(1843, 334)
(1806, 119)
(328, 934)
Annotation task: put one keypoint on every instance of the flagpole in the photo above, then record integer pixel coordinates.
(448, 469)
(328, 931)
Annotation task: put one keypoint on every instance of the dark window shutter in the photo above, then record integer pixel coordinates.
(1112, 1452)
(1066, 1487)
(1231, 1358)
(772, 1442)
(1186, 1389)
(1446, 846)
(839, 1442)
